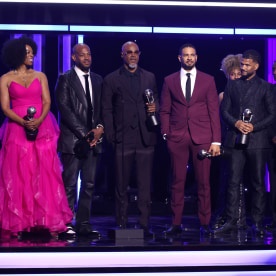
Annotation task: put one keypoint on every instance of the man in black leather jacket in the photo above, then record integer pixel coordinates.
(79, 115)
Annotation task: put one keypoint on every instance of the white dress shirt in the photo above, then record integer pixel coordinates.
(80, 74)
(183, 78)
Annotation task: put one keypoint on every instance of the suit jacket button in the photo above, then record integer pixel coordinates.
(188, 119)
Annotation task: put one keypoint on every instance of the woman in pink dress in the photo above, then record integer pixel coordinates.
(32, 194)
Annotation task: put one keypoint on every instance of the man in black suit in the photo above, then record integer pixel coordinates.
(248, 92)
(271, 163)
(125, 115)
(78, 97)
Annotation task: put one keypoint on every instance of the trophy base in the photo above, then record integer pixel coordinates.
(130, 233)
(242, 140)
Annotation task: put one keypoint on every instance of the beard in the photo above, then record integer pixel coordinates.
(132, 66)
(188, 67)
(245, 77)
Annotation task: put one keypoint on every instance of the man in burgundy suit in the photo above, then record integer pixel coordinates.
(189, 114)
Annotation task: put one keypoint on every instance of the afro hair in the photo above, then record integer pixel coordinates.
(229, 63)
(14, 51)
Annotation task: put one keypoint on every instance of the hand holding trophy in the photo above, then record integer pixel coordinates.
(151, 120)
(242, 138)
(31, 134)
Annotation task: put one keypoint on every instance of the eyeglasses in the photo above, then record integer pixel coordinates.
(134, 53)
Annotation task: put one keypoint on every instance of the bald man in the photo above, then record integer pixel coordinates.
(125, 114)
(78, 97)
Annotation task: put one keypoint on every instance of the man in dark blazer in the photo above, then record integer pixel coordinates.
(125, 114)
(189, 114)
(78, 97)
(253, 93)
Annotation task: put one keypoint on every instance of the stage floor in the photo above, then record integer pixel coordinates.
(190, 239)
(241, 253)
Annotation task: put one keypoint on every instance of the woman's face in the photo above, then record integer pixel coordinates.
(235, 74)
(29, 59)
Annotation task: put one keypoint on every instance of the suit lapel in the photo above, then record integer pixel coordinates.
(76, 85)
(178, 89)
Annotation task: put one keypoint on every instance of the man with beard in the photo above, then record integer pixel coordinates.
(189, 114)
(125, 114)
(78, 97)
(253, 93)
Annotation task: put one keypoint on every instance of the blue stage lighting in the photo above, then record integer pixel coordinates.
(111, 29)
(33, 27)
(178, 30)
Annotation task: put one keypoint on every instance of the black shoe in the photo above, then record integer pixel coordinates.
(205, 230)
(219, 222)
(258, 229)
(69, 233)
(147, 232)
(271, 227)
(228, 227)
(173, 231)
(87, 230)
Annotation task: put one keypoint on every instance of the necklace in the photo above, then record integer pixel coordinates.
(24, 78)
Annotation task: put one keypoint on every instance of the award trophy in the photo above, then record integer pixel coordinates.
(151, 120)
(82, 146)
(31, 134)
(202, 154)
(243, 139)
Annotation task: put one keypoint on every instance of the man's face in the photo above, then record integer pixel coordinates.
(274, 70)
(82, 57)
(130, 55)
(188, 58)
(235, 74)
(248, 68)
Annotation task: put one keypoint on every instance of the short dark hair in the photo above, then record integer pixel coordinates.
(252, 54)
(185, 46)
(14, 51)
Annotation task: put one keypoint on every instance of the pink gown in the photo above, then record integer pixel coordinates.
(31, 188)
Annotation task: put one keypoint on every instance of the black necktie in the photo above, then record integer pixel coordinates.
(89, 103)
(188, 87)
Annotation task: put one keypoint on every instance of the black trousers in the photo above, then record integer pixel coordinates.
(72, 166)
(126, 153)
(256, 160)
(271, 165)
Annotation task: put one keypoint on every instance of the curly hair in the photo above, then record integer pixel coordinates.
(229, 63)
(14, 51)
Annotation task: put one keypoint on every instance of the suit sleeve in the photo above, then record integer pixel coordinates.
(226, 107)
(165, 108)
(66, 108)
(107, 110)
(269, 103)
(213, 110)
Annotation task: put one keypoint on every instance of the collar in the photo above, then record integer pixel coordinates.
(80, 73)
(183, 72)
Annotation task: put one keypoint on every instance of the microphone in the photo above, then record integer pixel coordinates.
(31, 134)
(151, 120)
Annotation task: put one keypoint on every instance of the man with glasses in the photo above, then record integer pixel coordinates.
(125, 114)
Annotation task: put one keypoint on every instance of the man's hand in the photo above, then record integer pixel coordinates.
(243, 127)
(214, 150)
(151, 107)
(97, 135)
